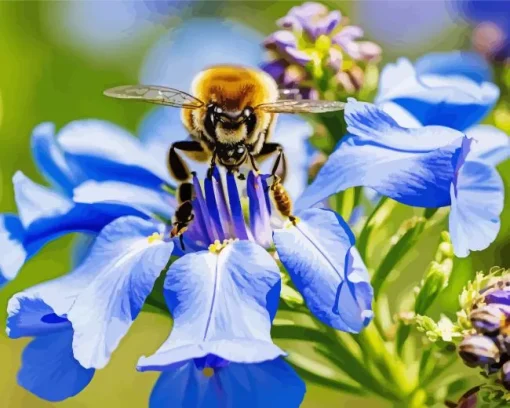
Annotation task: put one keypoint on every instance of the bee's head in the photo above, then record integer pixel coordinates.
(229, 126)
(231, 155)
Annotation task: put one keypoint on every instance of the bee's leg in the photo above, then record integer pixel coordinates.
(178, 167)
(253, 162)
(185, 192)
(280, 164)
(212, 165)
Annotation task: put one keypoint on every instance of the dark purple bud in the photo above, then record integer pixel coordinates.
(275, 68)
(478, 350)
(489, 318)
(505, 375)
(498, 296)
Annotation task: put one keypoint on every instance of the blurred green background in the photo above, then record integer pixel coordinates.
(50, 72)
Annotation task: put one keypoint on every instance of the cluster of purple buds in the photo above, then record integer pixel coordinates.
(488, 346)
(315, 47)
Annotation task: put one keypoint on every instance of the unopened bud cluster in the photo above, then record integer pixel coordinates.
(488, 345)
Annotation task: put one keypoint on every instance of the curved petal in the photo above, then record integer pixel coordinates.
(35, 201)
(477, 202)
(49, 370)
(45, 215)
(222, 304)
(147, 201)
(124, 262)
(171, 62)
(454, 101)
(412, 166)
(455, 63)
(50, 160)
(103, 151)
(490, 144)
(319, 254)
(14, 253)
(271, 384)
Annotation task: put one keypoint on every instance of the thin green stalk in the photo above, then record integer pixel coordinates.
(390, 365)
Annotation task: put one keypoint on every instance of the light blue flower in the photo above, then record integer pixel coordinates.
(426, 167)
(78, 320)
(451, 89)
(83, 150)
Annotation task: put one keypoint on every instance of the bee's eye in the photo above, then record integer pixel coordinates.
(247, 112)
(218, 110)
(240, 149)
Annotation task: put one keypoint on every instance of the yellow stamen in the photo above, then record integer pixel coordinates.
(323, 43)
(208, 372)
(216, 247)
(156, 236)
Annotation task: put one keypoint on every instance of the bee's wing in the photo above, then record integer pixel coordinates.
(301, 106)
(155, 94)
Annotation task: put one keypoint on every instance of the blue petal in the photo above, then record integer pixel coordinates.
(454, 101)
(319, 254)
(222, 304)
(14, 253)
(147, 201)
(490, 144)
(235, 207)
(122, 267)
(171, 62)
(46, 215)
(35, 201)
(104, 151)
(271, 384)
(50, 160)
(455, 63)
(412, 166)
(49, 370)
(259, 214)
(477, 202)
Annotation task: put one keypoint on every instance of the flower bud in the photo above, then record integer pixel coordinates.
(478, 350)
(490, 318)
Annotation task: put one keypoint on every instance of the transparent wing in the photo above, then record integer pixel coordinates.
(155, 94)
(301, 106)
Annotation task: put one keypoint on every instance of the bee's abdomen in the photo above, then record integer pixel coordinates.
(282, 200)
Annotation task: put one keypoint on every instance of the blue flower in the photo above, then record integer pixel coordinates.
(85, 154)
(426, 167)
(78, 320)
(450, 89)
(122, 264)
(220, 351)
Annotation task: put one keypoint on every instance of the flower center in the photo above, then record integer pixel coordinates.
(208, 372)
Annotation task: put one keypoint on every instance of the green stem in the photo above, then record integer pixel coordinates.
(380, 214)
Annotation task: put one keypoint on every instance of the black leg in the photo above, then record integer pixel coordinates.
(185, 192)
(280, 165)
(212, 165)
(178, 167)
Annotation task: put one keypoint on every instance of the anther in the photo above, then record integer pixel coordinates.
(208, 372)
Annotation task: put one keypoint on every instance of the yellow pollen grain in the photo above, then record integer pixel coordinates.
(156, 236)
(208, 372)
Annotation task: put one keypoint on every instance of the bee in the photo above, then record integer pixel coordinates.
(230, 116)
(281, 199)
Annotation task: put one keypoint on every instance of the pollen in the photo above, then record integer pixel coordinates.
(156, 236)
(208, 372)
(216, 247)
